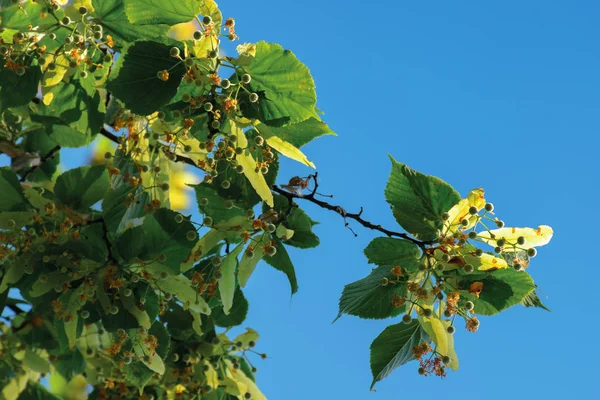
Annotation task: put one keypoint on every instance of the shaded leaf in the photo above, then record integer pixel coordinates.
(134, 79)
(370, 297)
(418, 201)
(393, 347)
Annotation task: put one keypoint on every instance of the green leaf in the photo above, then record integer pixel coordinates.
(163, 236)
(389, 251)
(12, 198)
(299, 222)
(297, 134)
(55, 278)
(393, 348)
(35, 362)
(151, 12)
(502, 289)
(227, 283)
(72, 325)
(533, 300)
(418, 201)
(70, 363)
(142, 317)
(75, 114)
(19, 16)
(134, 78)
(164, 339)
(142, 350)
(119, 218)
(369, 298)
(223, 230)
(284, 84)
(247, 264)
(181, 287)
(281, 261)
(137, 374)
(90, 244)
(237, 313)
(216, 204)
(82, 187)
(241, 189)
(111, 14)
(130, 243)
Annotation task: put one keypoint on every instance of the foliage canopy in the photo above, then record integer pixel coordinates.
(105, 283)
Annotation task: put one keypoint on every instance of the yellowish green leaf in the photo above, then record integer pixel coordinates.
(256, 179)
(289, 150)
(436, 331)
(533, 237)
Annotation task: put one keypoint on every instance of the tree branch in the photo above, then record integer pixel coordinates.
(311, 198)
(346, 215)
(111, 257)
(48, 156)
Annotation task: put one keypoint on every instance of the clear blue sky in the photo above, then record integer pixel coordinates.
(503, 96)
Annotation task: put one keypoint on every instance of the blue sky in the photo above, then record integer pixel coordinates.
(502, 96)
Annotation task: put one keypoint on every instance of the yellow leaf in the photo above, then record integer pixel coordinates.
(212, 378)
(141, 316)
(436, 331)
(257, 180)
(289, 150)
(489, 263)
(220, 231)
(533, 237)
(76, 389)
(245, 338)
(183, 31)
(211, 9)
(283, 232)
(52, 78)
(151, 179)
(14, 387)
(155, 363)
(47, 98)
(100, 147)
(451, 351)
(238, 384)
(85, 3)
(197, 323)
(196, 154)
(227, 283)
(475, 198)
(205, 45)
(237, 130)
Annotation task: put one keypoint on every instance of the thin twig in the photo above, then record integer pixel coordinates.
(48, 156)
(15, 308)
(346, 215)
(111, 257)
